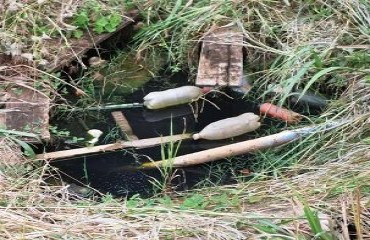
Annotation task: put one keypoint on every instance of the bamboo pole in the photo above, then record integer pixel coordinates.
(142, 143)
(239, 148)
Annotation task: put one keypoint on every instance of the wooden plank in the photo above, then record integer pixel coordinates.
(78, 47)
(142, 143)
(221, 58)
(27, 110)
(61, 51)
(124, 125)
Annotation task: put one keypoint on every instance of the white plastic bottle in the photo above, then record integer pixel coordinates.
(229, 127)
(172, 97)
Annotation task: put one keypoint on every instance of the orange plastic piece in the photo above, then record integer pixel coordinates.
(274, 111)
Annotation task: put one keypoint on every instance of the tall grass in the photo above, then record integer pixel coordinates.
(167, 171)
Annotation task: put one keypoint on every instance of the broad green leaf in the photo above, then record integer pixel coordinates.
(110, 28)
(28, 151)
(18, 133)
(102, 21)
(99, 29)
(82, 20)
(115, 20)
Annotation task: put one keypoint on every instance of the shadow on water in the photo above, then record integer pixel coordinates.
(112, 172)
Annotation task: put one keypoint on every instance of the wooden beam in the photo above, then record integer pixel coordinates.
(124, 125)
(221, 58)
(142, 143)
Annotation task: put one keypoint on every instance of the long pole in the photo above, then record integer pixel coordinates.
(240, 148)
(141, 143)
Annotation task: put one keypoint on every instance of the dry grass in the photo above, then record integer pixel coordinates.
(31, 209)
(331, 171)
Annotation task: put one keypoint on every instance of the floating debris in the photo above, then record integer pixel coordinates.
(94, 134)
(274, 111)
(124, 125)
(172, 97)
(229, 127)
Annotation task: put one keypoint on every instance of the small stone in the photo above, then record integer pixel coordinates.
(96, 61)
(15, 49)
(80, 191)
(28, 56)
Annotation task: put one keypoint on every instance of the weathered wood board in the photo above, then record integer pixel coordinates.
(124, 125)
(76, 48)
(221, 58)
(26, 110)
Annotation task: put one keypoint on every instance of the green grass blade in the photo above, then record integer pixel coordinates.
(294, 80)
(319, 75)
(315, 224)
(28, 151)
(18, 133)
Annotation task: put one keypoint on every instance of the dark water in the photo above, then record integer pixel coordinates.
(112, 172)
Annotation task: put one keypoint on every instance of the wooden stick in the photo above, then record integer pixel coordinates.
(124, 125)
(142, 143)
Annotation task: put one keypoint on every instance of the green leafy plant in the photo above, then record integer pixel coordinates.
(93, 16)
(58, 133)
(196, 201)
(66, 135)
(107, 23)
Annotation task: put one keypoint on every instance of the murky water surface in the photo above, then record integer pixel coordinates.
(110, 172)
